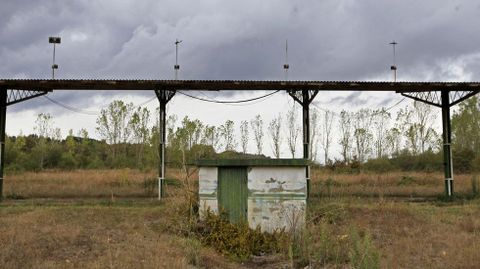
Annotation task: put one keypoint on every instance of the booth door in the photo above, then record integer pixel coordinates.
(233, 192)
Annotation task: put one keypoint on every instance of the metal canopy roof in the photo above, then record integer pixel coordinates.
(213, 85)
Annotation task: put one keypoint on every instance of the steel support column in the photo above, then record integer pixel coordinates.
(3, 117)
(447, 139)
(304, 98)
(164, 97)
(306, 134)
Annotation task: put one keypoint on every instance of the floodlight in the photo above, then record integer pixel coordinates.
(54, 40)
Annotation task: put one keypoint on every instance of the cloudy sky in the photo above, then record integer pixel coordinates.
(327, 40)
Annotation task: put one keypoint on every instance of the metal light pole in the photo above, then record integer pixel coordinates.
(286, 66)
(176, 67)
(54, 40)
(394, 66)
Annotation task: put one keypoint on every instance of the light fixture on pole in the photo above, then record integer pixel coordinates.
(176, 67)
(394, 66)
(286, 66)
(54, 40)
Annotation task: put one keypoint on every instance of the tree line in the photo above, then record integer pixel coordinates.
(368, 138)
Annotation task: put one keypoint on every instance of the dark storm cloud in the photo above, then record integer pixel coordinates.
(328, 40)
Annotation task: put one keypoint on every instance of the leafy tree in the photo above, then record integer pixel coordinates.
(362, 134)
(257, 127)
(211, 136)
(381, 119)
(45, 130)
(113, 126)
(70, 142)
(417, 126)
(293, 130)
(326, 138)
(346, 134)
(425, 117)
(227, 131)
(274, 129)
(244, 136)
(466, 126)
(393, 141)
(140, 130)
(314, 127)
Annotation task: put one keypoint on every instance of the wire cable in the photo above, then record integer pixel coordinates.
(252, 103)
(73, 109)
(227, 102)
(86, 112)
(399, 102)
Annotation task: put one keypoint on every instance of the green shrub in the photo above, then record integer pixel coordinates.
(463, 160)
(476, 164)
(67, 161)
(238, 240)
(379, 165)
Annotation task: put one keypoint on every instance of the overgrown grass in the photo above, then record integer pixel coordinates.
(344, 228)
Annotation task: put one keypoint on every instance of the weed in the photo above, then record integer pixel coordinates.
(125, 178)
(193, 251)
(331, 213)
(149, 185)
(362, 254)
(317, 246)
(329, 184)
(14, 196)
(407, 181)
(238, 240)
(173, 182)
(475, 182)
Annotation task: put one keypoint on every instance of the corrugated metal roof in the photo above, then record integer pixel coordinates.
(152, 84)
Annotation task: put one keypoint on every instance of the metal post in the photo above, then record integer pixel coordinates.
(162, 134)
(306, 133)
(53, 63)
(3, 117)
(447, 138)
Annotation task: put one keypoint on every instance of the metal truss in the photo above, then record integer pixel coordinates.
(165, 95)
(17, 96)
(459, 96)
(304, 97)
(434, 98)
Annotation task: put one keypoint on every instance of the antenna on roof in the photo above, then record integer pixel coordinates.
(394, 66)
(286, 66)
(176, 67)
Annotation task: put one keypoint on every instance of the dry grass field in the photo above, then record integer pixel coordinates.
(112, 219)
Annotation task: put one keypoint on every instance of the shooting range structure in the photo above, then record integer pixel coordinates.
(440, 94)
